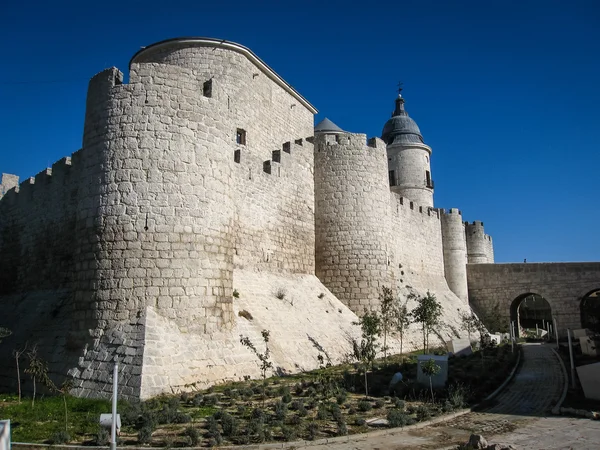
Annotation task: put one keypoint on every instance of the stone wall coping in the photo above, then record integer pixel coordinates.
(233, 46)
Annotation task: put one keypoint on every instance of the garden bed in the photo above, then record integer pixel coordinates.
(323, 403)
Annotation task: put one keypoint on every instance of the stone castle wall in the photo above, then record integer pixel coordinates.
(198, 177)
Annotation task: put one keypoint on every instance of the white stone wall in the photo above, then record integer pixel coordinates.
(416, 238)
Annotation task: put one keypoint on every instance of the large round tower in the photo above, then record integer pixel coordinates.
(455, 252)
(351, 216)
(480, 249)
(408, 157)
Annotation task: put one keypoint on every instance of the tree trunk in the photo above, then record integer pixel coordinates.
(385, 346)
(431, 387)
(33, 398)
(366, 384)
(18, 377)
(66, 416)
(424, 341)
(401, 339)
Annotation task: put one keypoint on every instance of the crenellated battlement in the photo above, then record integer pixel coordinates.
(451, 211)
(346, 139)
(35, 185)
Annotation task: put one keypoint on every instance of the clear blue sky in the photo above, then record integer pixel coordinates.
(505, 92)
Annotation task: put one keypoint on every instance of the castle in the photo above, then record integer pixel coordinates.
(204, 204)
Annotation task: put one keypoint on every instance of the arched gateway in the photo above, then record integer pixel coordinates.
(571, 292)
(530, 311)
(590, 310)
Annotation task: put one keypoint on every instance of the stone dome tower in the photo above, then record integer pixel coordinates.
(408, 157)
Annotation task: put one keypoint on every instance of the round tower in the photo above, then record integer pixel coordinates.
(408, 157)
(455, 253)
(351, 216)
(480, 249)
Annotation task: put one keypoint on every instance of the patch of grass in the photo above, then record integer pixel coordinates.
(245, 314)
(280, 293)
(48, 415)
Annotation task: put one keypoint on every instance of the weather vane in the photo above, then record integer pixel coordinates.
(400, 83)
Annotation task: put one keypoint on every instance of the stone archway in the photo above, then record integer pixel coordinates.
(530, 310)
(590, 310)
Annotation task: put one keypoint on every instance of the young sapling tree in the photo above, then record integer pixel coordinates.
(365, 351)
(386, 315)
(428, 313)
(430, 369)
(401, 320)
(17, 353)
(264, 358)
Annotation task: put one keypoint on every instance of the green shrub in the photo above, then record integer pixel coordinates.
(364, 405)
(258, 414)
(102, 437)
(229, 424)
(287, 398)
(359, 421)
(256, 427)
(280, 410)
(193, 434)
(379, 403)
(311, 430)
(210, 400)
(289, 433)
(180, 417)
(294, 420)
(322, 412)
(342, 428)
(336, 412)
(400, 404)
(197, 400)
(60, 437)
(397, 418)
(341, 397)
(423, 413)
(145, 435)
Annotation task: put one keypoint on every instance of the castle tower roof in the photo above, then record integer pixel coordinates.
(327, 126)
(401, 129)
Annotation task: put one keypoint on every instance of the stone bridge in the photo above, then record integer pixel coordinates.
(564, 286)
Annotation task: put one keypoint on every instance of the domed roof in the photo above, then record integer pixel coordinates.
(327, 126)
(401, 129)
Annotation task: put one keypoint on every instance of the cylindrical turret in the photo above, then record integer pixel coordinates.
(480, 249)
(408, 157)
(351, 217)
(455, 253)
